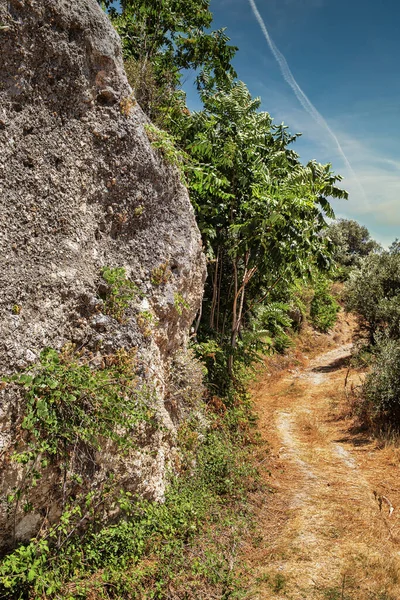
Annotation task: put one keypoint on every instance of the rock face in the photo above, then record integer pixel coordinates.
(81, 188)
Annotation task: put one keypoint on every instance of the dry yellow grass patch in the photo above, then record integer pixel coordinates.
(310, 425)
(331, 530)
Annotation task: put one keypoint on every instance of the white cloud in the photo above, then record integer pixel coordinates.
(377, 171)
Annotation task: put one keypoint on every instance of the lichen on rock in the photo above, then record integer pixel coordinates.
(82, 189)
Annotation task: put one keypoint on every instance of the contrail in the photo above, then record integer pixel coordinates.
(300, 95)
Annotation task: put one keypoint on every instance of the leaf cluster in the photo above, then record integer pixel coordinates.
(70, 407)
(119, 293)
(324, 307)
(182, 544)
(373, 292)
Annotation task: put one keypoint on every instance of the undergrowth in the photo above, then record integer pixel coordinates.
(324, 307)
(66, 402)
(184, 547)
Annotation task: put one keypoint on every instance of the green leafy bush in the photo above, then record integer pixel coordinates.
(373, 292)
(68, 411)
(274, 319)
(380, 398)
(183, 541)
(324, 308)
(68, 404)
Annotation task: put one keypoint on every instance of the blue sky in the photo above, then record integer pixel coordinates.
(344, 55)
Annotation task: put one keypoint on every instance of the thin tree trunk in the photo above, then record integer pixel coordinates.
(198, 320)
(237, 316)
(226, 310)
(219, 290)
(240, 293)
(234, 315)
(215, 291)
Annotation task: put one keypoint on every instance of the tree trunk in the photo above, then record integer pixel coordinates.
(234, 315)
(215, 292)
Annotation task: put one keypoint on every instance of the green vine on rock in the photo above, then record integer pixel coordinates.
(165, 143)
(70, 405)
(120, 292)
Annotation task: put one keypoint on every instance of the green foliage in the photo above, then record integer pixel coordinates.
(394, 247)
(324, 307)
(180, 303)
(213, 356)
(119, 293)
(373, 292)
(161, 101)
(380, 403)
(259, 209)
(184, 541)
(351, 242)
(273, 319)
(260, 212)
(164, 142)
(21, 570)
(173, 35)
(69, 406)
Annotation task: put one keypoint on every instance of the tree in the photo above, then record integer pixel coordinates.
(260, 211)
(394, 247)
(162, 38)
(380, 399)
(351, 242)
(373, 291)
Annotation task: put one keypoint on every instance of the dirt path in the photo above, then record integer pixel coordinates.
(326, 529)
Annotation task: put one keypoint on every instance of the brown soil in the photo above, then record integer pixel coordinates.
(326, 532)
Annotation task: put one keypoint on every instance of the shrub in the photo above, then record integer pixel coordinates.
(273, 318)
(380, 403)
(324, 308)
(69, 410)
(183, 543)
(68, 405)
(373, 291)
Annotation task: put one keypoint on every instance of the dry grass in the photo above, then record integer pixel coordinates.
(325, 533)
(310, 426)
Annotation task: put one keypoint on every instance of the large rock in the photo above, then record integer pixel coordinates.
(82, 188)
